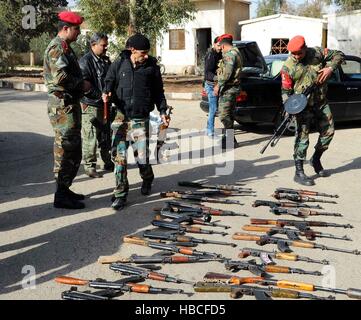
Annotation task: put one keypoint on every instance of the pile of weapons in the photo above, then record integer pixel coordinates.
(214, 282)
(176, 218)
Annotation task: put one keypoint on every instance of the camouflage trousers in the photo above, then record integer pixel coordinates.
(91, 137)
(324, 124)
(226, 105)
(135, 133)
(66, 122)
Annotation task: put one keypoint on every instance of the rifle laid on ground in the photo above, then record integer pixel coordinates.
(181, 238)
(305, 192)
(74, 294)
(294, 234)
(238, 291)
(145, 273)
(266, 256)
(284, 244)
(156, 258)
(301, 225)
(187, 207)
(182, 228)
(299, 198)
(283, 204)
(180, 195)
(179, 218)
(123, 285)
(284, 284)
(226, 187)
(262, 270)
(302, 212)
(169, 247)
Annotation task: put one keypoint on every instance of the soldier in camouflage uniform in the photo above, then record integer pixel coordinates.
(305, 67)
(135, 83)
(228, 86)
(65, 85)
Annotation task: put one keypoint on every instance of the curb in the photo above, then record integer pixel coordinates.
(25, 86)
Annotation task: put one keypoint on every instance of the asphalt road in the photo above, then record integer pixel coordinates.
(38, 242)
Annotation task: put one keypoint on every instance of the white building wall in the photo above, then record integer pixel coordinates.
(283, 27)
(209, 15)
(344, 32)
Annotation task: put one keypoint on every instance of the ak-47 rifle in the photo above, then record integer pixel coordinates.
(284, 244)
(301, 225)
(284, 204)
(169, 247)
(162, 134)
(266, 256)
(200, 209)
(188, 218)
(74, 294)
(284, 284)
(294, 234)
(226, 187)
(305, 192)
(181, 195)
(238, 291)
(145, 273)
(124, 285)
(302, 212)
(161, 257)
(298, 198)
(183, 229)
(217, 193)
(262, 270)
(104, 127)
(180, 238)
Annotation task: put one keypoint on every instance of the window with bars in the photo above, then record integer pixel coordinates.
(279, 46)
(177, 39)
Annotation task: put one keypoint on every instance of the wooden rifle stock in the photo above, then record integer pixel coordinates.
(245, 236)
(71, 281)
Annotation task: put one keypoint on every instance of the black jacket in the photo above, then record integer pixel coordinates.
(94, 69)
(137, 89)
(211, 61)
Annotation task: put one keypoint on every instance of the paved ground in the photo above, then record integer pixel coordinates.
(52, 242)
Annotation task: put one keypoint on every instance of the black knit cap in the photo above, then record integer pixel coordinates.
(138, 42)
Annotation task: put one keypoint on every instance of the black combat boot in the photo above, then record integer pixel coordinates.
(75, 196)
(62, 199)
(118, 204)
(146, 188)
(316, 164)
(300, 176)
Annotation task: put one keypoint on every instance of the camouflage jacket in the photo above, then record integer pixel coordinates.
(298, 75)
(61, 69)
(229, 71)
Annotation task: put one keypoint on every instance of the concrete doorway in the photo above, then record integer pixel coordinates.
(203, 42)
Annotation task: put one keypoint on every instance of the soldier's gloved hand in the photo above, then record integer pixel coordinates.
(106, 96)
(324, 74)
(86, 86)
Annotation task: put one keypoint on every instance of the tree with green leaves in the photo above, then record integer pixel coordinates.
(312, 9)
(270, 7)
(126, 17)
(346, 5)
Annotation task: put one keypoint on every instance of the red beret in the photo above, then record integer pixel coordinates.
(296, 44)
(225, 36)
(70, 17)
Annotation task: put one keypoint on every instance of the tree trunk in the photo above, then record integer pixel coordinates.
(132, 24)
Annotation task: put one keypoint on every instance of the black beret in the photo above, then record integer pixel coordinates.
(138, 42)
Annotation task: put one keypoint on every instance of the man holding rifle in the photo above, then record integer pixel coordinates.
(304, 68)
(94, 66)
(135, 79)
